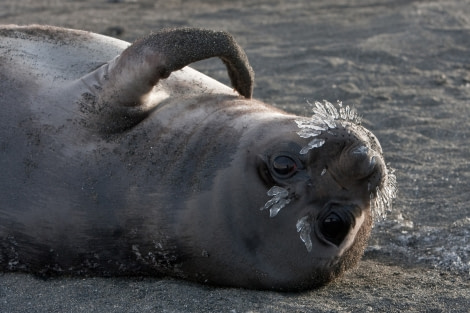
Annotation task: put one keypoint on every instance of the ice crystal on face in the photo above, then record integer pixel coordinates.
(314, 124)
(315, 143)
(348, 114)
(381, 202)
(311, 128)
(278, 201)
(307, 133)
(361, 150)
(325, 117)
(332, 111)
(304, 228)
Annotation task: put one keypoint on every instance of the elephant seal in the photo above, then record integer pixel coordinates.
(112, 166)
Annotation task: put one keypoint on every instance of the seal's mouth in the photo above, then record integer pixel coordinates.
(331, 227)
(336, 221)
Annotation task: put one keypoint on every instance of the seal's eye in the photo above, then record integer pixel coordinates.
(334, 228)
(284, 166)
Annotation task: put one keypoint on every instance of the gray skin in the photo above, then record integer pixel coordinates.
(110, 166)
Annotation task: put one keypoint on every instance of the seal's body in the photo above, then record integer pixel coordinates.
(110, 166)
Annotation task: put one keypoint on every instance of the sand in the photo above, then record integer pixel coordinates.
(405, 66)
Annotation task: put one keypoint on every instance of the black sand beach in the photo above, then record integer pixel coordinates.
(404, 65)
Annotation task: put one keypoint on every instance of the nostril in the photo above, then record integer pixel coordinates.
(358, 161)
(361, 150)
(336, 221)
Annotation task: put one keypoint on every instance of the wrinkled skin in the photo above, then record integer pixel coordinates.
(116, 162)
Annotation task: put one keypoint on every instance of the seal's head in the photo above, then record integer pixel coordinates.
(329, 181)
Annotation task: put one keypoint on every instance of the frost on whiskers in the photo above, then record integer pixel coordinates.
(280, 198)
(304, 228)
(381, 201)
(278, 201)
(325, 117)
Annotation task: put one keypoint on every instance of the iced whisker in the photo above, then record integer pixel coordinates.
(278, 201)
(304, 228)
(325, 118)
(331, 109)
(347, 112)
(278, 206)
(304, 150)
(315, 143)
(311, 124)
(307, 133)
(278, 191)
(381, 201)
(342, 113)
(352, 116)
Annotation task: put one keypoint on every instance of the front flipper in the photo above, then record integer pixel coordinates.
(119, 88)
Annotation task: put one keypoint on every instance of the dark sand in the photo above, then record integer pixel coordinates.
(405, 65)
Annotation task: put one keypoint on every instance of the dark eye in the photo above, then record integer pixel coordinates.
(284, 165)
(334, 228)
